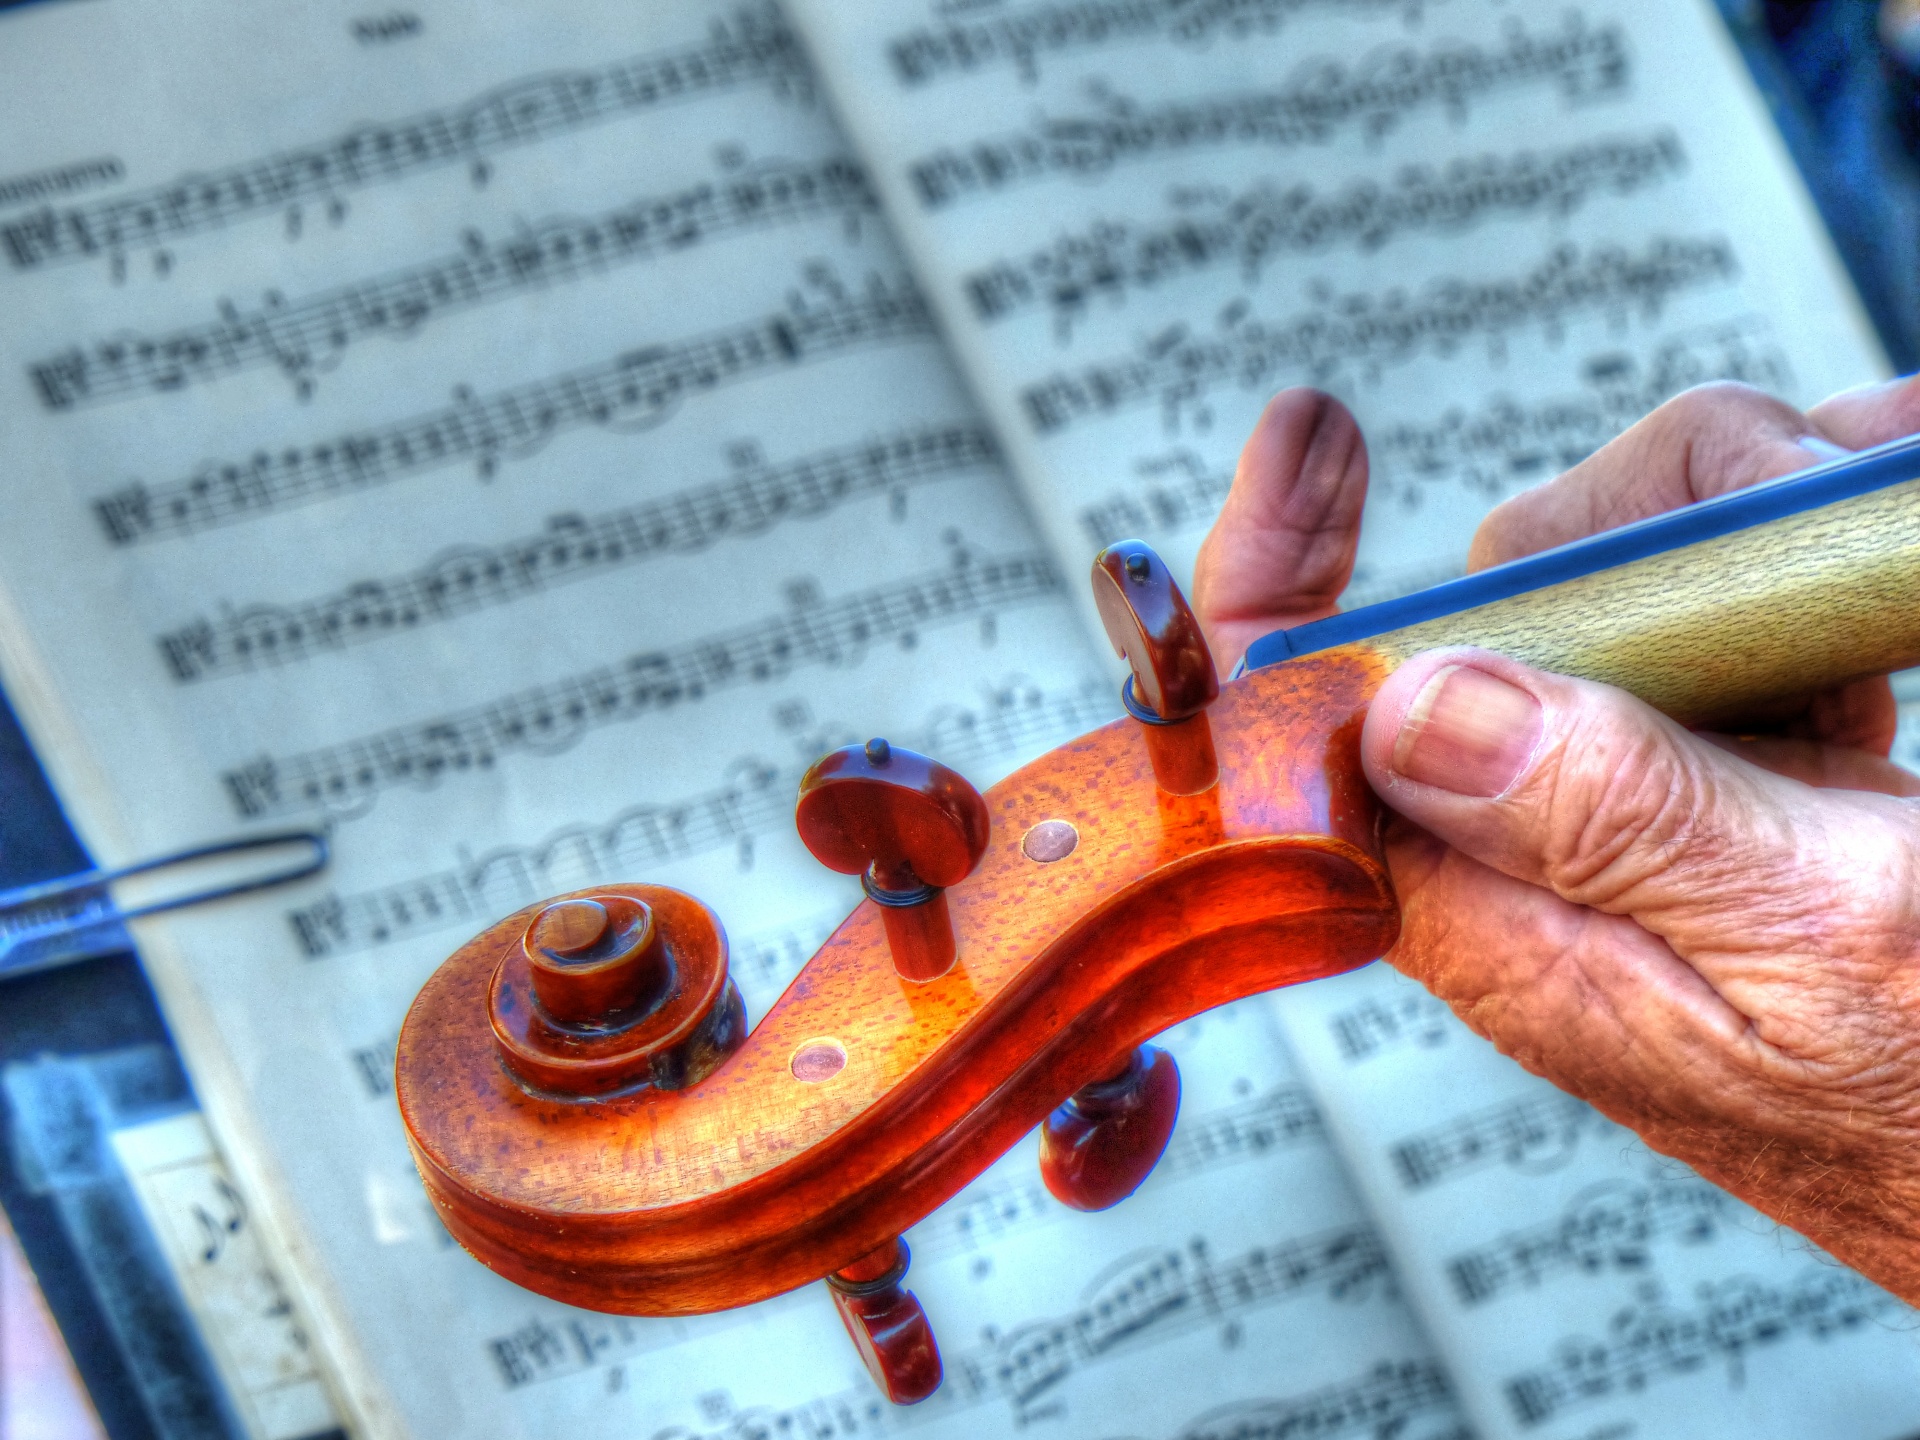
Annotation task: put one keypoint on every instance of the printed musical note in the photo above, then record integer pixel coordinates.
(1268, 222)
(1491, 451)
(1538, 1133)
(373, 1064)
(186, 1203)
(1612, 1226)
(634, 389)
(999, 1204)
(574, 548)
(1176, 491)
(1382, 1405)
(61, 180)
(297, 335)
(1144, 1300)
(752, 47)
(1018, 38)
(1177, 367)
(1646, 1344)
(1327, 96)
(1378, 1025)
(347, 778)
(757, 798)
(1285, 1115)
(1409, 1400)
(765, 962)
(1166, 1293)
(1508, 443)
(850, 1415)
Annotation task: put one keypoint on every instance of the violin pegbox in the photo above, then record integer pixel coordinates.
(592, 1121)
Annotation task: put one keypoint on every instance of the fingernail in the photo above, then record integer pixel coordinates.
(1467, 732)
(1823, 449)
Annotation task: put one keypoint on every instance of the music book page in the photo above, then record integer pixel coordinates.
(1578, 1284)
(508, 436)
(1500, 232)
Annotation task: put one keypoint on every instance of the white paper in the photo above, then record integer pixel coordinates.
(1500, 232)
(247, 1320)
(1577, 1283)
(531, 490)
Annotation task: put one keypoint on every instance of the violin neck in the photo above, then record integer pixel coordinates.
(1707, 612)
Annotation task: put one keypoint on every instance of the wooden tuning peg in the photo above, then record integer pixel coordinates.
(1173, 681)
(1098, 1146)
(908, 827)
(888, 1327)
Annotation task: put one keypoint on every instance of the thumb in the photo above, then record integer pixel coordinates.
(1582, 790)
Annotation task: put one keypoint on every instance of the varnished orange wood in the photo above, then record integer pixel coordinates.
(920, 937)
(595, 963)
(909, 827)
(652, 1003)
(756, 1180)
(1184, 761)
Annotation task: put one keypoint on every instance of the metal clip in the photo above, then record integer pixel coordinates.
(58, 922)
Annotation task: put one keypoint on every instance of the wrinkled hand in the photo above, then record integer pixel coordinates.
(1714, 940)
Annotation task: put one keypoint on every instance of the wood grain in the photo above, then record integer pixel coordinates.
(863, 1100)
(755, 1181)
(1713, 631)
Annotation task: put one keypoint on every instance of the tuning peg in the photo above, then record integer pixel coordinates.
(1098, 1146)
(1173, 681)
(908, 827)
(888, 1327)
(609, 990)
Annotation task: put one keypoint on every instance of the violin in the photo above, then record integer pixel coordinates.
(593, 1119)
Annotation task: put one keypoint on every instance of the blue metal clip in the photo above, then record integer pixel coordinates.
(57, 922)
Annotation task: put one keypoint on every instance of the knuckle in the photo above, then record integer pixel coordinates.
(1707, 407)
(1731, 435)
(1622, 805)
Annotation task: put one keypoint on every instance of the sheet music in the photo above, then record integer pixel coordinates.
(1577, 1283)
(246, 1319)
(1500, 232)
(510, 436)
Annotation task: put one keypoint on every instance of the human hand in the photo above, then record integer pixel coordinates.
(1714, 940)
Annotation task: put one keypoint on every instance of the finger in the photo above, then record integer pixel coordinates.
(1282, 549)
(1762, 885)
(1862, 715)
(1706, 442)
(1591, 1001)
(1870, 415)
(1824, 766)
(1609, 1012)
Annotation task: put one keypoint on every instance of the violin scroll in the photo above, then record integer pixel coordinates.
(592, 1120)
(616, 989)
